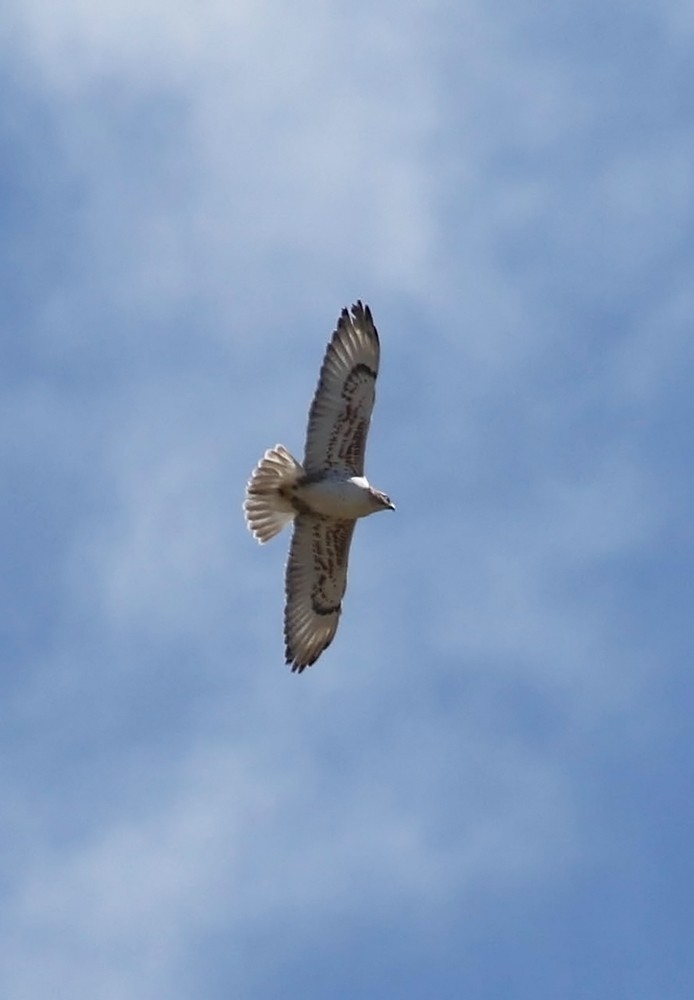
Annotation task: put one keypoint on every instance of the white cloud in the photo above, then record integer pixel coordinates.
(248, 839)
(288, 141)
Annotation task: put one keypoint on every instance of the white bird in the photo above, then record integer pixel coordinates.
(326, 493)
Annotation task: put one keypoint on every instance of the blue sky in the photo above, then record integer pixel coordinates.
(483, 789)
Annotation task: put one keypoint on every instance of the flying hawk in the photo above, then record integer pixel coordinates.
(326, 494)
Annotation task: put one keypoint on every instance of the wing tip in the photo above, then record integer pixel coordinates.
(358, 317)
(359, 310)
(298, 665)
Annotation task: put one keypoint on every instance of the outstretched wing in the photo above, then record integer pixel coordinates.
(315, 585)
(338, 421)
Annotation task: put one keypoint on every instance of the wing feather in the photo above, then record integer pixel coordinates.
(315, 584)
(340, 414)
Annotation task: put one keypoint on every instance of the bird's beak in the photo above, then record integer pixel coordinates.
(390, 506)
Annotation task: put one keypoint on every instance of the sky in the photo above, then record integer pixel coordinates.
(483, 788)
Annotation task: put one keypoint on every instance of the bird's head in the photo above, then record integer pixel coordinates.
(381, 500)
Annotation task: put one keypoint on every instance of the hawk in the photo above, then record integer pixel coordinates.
(326, 493)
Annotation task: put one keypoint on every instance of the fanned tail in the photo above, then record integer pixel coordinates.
(267, 505)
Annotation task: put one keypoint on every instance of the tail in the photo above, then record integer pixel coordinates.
(267, 506)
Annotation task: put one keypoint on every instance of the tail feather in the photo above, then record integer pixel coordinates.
(267, 507)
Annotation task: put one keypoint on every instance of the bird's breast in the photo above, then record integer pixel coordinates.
(340, 498)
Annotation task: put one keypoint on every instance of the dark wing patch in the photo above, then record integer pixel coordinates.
(340, 414)
(315, 584)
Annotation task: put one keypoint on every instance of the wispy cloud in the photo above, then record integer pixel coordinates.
(198, 190)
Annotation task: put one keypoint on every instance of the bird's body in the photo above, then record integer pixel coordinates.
(327, 493)
(337, 496)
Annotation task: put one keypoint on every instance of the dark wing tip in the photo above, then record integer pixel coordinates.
(299, 664)
(294, 660)
(295, 664)
(358, 317)
(361, 313)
